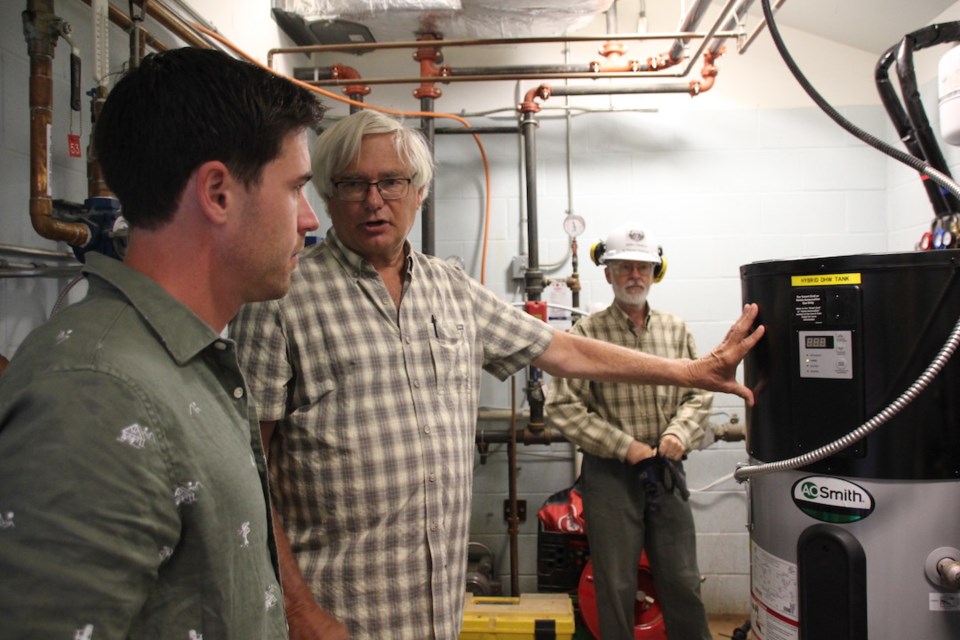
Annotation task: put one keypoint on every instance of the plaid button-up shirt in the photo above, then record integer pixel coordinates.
(372, 458)
(603, 418)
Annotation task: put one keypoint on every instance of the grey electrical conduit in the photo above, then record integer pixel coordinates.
(744, 472)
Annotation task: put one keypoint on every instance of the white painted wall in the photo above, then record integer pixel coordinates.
(748, 171)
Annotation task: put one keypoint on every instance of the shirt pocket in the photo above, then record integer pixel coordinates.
(450, 355)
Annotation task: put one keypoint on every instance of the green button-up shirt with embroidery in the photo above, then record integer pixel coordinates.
(132, 481)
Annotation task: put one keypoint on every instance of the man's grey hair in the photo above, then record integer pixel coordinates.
(339, 146)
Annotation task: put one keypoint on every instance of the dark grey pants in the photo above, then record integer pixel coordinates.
(624, 515)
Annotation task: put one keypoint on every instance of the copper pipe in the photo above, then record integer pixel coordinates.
(164, 18)
(709, 73)
(123, 21)
(41, 29)
(416, 44)
(96, 183)
(496, 77)
(176, 25)
(138, 48)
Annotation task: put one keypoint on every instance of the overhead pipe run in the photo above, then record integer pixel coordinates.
(610, 67)
(759, 29)
(694, 15)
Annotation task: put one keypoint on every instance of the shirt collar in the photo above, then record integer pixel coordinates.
(354, 262)
(179, 329)
(624, 319)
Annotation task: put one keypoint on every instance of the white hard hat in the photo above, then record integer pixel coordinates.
(631, 243)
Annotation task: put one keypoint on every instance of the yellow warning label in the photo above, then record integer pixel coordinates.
(825, 279)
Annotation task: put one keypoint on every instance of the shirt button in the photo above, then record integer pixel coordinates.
(238, 393)
(219, 345)
(434, 527)
(416, 383)
(426, 429)
(407, 339)
(432, 477)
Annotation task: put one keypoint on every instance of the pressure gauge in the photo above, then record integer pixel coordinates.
(574, 225)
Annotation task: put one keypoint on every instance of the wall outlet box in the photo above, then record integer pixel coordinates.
(519, 265)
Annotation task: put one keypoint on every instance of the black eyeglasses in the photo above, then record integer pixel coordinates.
(626, 267)
(356, 190)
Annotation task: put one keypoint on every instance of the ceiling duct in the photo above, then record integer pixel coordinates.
(310, 22)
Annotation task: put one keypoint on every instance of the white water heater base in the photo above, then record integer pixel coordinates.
(901, 526)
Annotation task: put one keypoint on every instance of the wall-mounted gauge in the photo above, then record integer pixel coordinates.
(574, 225)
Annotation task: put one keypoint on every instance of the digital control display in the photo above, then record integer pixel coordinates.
(818, 342)
(826, 354)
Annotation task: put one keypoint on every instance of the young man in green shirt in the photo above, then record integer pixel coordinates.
(132, 480)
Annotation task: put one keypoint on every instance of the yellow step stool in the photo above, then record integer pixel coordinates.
(532, 616)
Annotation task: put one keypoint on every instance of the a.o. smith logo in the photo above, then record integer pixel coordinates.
(831, 499)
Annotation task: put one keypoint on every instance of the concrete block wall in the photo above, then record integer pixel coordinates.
(721, 189)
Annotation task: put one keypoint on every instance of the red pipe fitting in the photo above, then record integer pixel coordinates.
(343, 72)
(428, 57)
(528, 105)
(709, 73)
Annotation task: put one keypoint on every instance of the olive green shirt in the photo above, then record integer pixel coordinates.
(132, 480)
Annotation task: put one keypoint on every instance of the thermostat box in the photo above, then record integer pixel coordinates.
(540, 616)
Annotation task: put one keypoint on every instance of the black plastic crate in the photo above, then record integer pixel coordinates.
(560, 561)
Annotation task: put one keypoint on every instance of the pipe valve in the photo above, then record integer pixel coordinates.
(942, 568)
(949, 570)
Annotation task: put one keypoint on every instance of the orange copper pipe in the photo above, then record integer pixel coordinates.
(709, 74)
(41, 28)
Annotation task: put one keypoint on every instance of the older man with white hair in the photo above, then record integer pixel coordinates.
(634, 437)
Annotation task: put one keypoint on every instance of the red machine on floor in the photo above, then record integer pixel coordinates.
(646, 612)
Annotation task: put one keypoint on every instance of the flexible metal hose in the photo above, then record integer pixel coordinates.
(744, 472)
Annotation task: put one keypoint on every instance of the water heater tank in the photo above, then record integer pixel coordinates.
(846, 548)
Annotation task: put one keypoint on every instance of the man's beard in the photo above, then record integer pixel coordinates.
(628, 298)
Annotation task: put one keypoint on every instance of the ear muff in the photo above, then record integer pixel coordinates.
(596, 252)
(660, 270)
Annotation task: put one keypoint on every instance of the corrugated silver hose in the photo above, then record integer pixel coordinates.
(745, 471)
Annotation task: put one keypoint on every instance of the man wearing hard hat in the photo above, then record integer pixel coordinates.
(634, 438)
